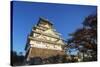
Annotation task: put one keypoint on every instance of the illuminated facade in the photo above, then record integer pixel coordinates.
(44, 41)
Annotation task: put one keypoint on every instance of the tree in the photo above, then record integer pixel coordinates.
(85, 38)
(16, 59)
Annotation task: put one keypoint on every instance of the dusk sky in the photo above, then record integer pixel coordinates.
(66, 19)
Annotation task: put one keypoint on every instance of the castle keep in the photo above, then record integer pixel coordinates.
(43, 41)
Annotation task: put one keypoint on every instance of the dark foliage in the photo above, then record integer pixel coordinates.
(16, 59)
(85, 38)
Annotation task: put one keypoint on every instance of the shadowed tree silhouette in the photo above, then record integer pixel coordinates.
(16, 59)
(86, 38)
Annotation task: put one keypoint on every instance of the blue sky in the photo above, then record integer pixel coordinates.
(66, 19)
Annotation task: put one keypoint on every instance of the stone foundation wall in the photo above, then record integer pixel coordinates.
(44, 53)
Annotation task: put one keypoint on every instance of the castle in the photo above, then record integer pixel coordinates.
(43, 41)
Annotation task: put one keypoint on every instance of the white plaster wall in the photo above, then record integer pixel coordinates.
(45, 45)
